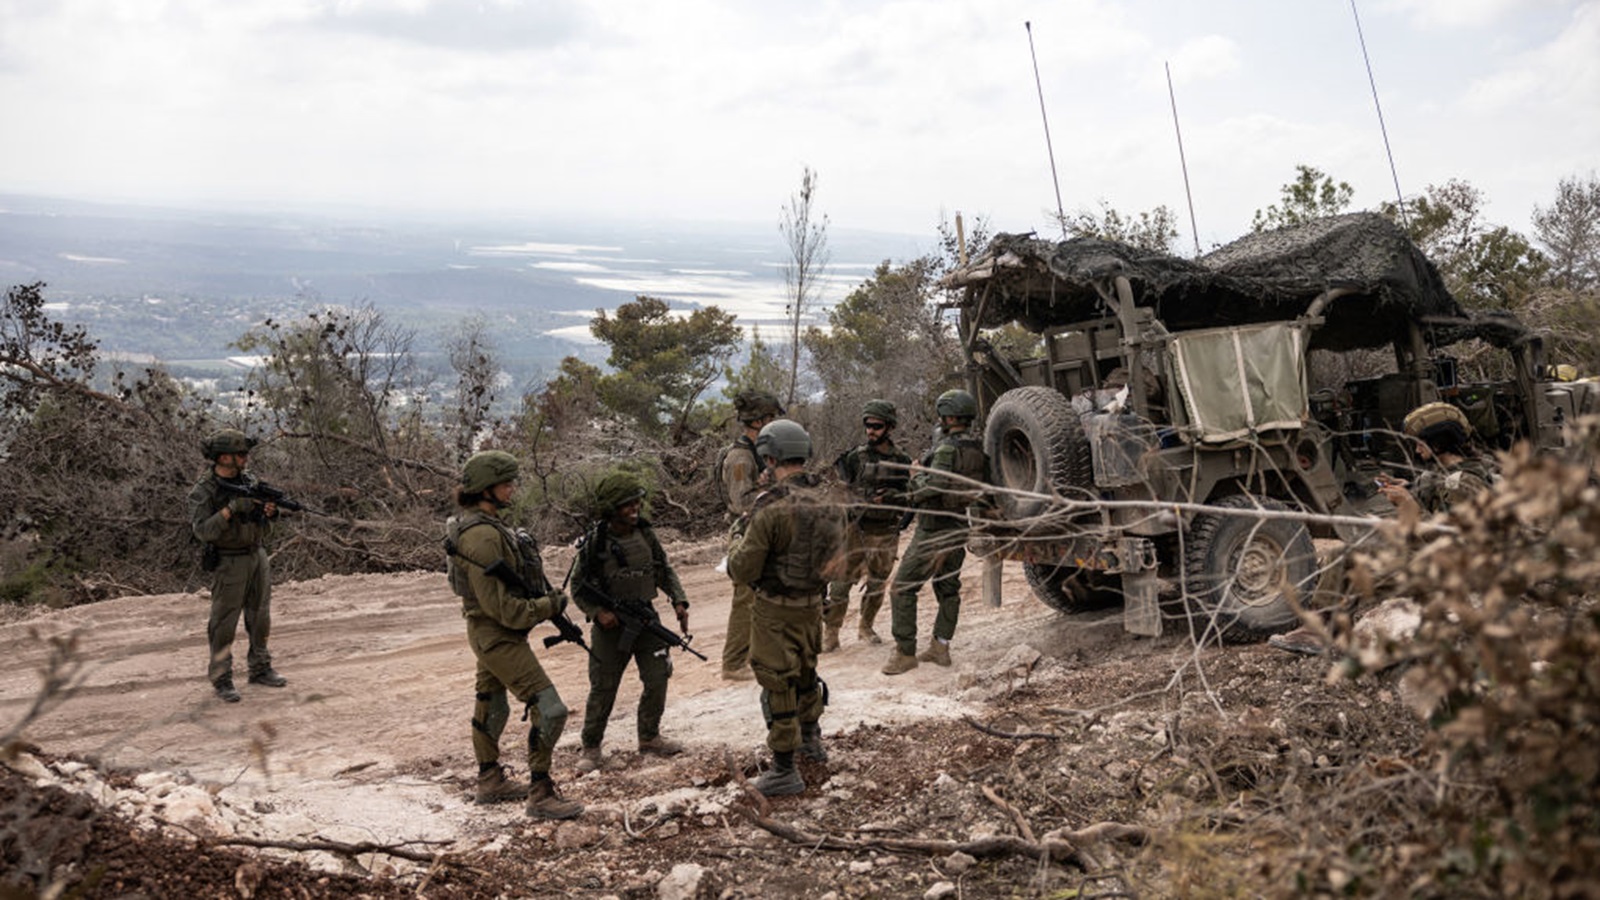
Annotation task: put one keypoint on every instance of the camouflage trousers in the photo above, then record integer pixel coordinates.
(935, 555)
(785, 639)
(506, 662)
(869, 553)
(736, 646)
(607, 662)
(240, 587)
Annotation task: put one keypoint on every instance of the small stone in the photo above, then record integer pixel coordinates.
(861, 867)
(668, 830)
(958, 863)
(575, 836)
(682, 883)
(939, 891)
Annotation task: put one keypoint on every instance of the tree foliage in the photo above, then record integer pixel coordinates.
(1484, 265)
(663, 362)
(1154, 230)
(1312, 195)
(473, 359)
(1569, 229)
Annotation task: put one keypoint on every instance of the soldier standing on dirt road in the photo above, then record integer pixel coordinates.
(1442, 439)
(873, 538)
(498, 622)
(740, 472)
(793, 541)
(234, 529)
(938, 547)
(623, 559)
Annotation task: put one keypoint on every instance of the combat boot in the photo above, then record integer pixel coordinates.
(494, 786)
(811, 742)
(782, 779)
(589, 760)
(268, 677)
(830, 638)
(899, 662)
(660, 746)
(938, 653)
(226, 692)
(545, 802)
(867, 635)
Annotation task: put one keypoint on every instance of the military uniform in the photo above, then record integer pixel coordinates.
(786, 534)
(241, 584)
(629, 568)
(873, 538)
(1439, 489)
(938, 547)
(498, 623)
(738, 474)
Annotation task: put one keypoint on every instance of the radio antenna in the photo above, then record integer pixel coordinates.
(1399, 198)
(1184, 163)
(1061, 213)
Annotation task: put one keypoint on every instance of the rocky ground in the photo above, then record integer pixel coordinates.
(1057, 755)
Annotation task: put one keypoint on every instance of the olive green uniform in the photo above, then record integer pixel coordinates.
(241, 585)
(631, 569)
(873, 538)
(498, 623)
(786, 633)
(1438, 489)
(938, 548)
(737, 477)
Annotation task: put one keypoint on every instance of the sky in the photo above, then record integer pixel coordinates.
(710, 110)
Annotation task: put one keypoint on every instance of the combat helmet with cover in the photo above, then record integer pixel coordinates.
(486, 469)
(784, 440)
(616, 490)
(753, 406)
(227, 440)
(957, 404)
(1430, 416)
(879, 409)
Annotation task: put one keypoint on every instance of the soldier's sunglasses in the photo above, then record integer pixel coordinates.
(875, 426)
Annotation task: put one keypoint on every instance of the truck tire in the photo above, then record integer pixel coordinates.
(1035, 443)
(1240, 571)
(1070, 589)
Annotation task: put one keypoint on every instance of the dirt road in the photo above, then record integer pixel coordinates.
(370, 739)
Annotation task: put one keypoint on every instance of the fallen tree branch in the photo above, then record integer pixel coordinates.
(1021, 822)
(343, 849)
(1011, 735)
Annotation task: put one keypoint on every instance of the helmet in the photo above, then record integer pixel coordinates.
(879, 409)
(753, 406)
(1432, 415)
(616, 490)
(784, 440)
(959, 404)
(228, 440)
(487, 469)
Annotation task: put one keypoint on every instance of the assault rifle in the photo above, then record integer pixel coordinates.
(566, 630)
(637, 619)
(256, 489)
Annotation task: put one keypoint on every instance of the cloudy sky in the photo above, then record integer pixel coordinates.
(709, 109)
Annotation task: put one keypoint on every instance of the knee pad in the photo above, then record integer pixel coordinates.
(491, 713)
(552, 712)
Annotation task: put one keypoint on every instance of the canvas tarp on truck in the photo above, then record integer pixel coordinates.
(1239, 382)
(1265, 277)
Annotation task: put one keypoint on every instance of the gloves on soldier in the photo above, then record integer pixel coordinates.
(241, 506)
(553, 603)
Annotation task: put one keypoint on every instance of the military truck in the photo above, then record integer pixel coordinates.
(1165, 431)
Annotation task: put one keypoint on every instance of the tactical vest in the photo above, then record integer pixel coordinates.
(624, 566)
(742, 444)
(818, 536)
(1437, 491)
(531, 570)
(851, 466)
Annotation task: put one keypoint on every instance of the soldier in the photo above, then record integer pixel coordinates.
(873, 538)
(233, 529)
(622, 561)
(1441, 437)
(786, 551)
(499, 617)
(938, 547)
(740, 471)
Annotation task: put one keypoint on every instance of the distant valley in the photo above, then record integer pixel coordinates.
(178, 286)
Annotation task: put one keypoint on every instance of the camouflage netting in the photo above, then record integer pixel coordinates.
(1271, 276)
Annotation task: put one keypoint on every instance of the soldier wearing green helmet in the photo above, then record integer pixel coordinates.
(739, 474)
(938, 547)
(876, 472)
(498, 621)
(786, 550)
(234, 529)
(622, 559)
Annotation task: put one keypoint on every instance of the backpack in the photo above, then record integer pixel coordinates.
(815, 554)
